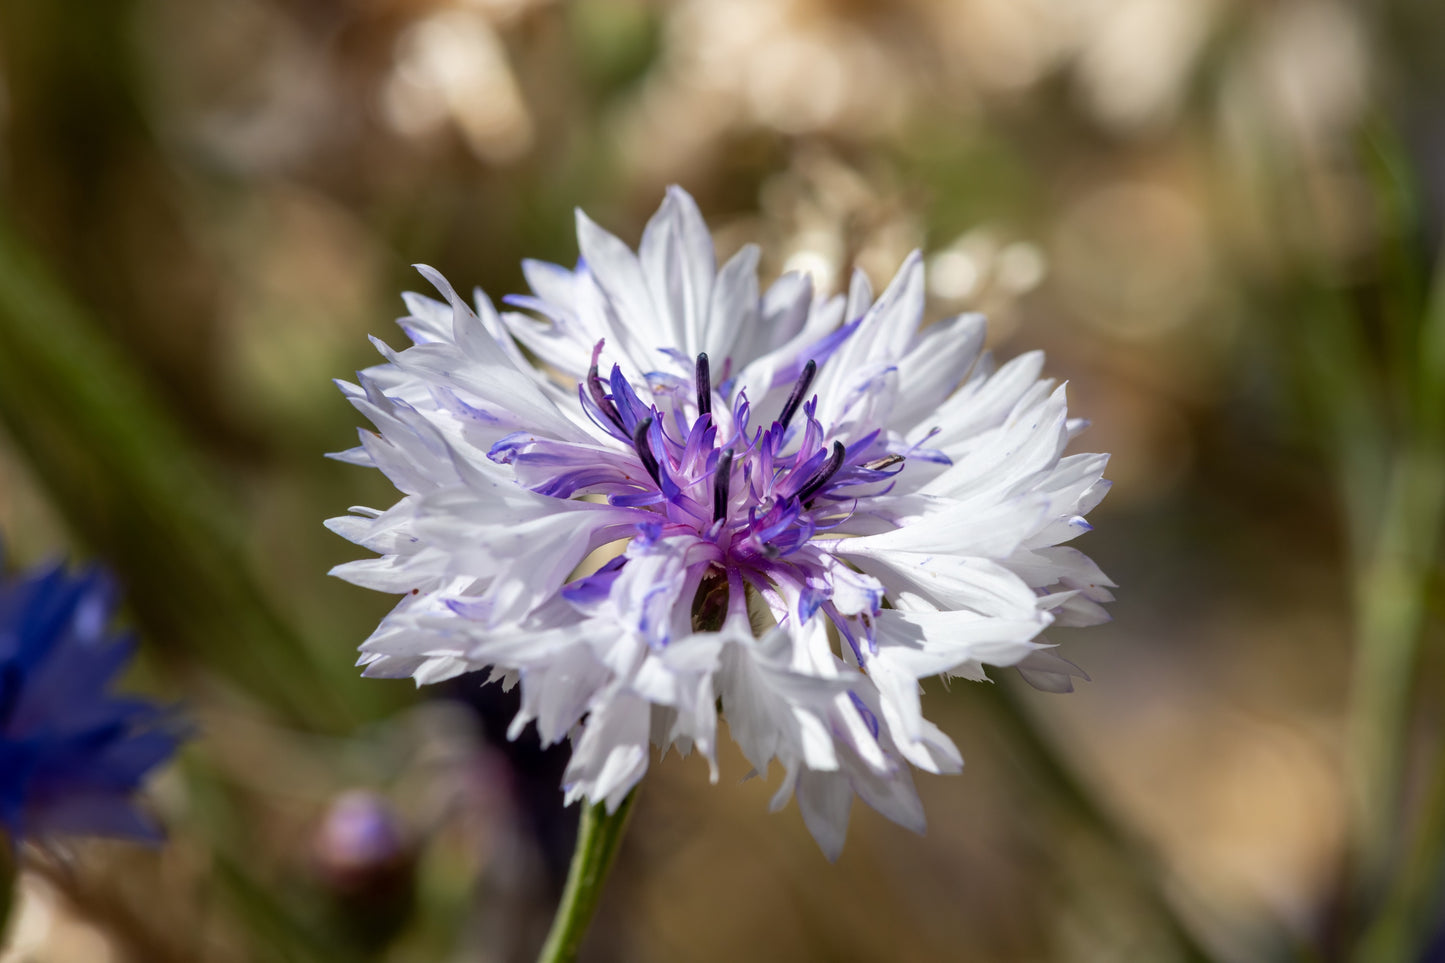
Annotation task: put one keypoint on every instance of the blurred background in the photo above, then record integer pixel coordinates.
(1219, 217)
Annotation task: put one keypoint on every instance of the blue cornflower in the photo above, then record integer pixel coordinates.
(72, 754)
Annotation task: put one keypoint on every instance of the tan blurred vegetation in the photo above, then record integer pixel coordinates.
(206, 205)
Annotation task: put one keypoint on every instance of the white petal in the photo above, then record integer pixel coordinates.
(929, 643)
(734, 307)
(950, 581)
(551, 282)
(1061, 565)
(1011, 456)
(892, 794)
(934, 367)
(773, 710)
(1048, 672)
(678, 267)
(618, 274)
(611, 755)
(824, 799)
(964, 530)
(981, 404)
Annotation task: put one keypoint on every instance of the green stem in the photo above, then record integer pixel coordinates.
(1394, 885)
(1402, 923)
(1390, 612)
(598, 837)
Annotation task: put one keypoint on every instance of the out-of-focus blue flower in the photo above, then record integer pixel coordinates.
(72, 754)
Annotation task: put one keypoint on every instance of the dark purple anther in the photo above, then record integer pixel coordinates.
(644, 451)
(599, 397)
(799, 391)
(720, 483)
(829, 469)
(704, 386)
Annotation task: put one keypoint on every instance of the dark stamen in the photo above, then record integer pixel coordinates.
(829, 469)
(644, 452)
(704, 386)
(720, 483)
(799, 390)
(599, 397)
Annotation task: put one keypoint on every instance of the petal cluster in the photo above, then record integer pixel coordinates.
(72, 753)
(654, 490)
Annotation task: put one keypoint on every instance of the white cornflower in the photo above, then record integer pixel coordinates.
(881, 500)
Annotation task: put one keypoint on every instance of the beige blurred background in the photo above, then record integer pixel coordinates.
(229, 194)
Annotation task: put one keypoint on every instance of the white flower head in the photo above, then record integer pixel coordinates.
(888, 503)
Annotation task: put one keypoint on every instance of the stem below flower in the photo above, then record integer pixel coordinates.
(598, 837)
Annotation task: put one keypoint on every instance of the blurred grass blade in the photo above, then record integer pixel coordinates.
(1048, 762)
(128, 483)
(270, 922)
(1415, 890)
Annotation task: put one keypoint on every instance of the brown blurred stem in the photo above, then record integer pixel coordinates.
(135, 932)
(1038, 751)
(9, 890)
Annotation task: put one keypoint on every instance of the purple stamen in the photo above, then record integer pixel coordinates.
(644, 451)
(799, 390)
(720, 483)
(599, 397)
(829, 469)
(630, 408)
(704, 386)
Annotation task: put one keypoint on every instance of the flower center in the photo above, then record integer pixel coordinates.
(753, 493)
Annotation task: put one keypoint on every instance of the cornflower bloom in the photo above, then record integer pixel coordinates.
(806, 505)
(72, 754)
